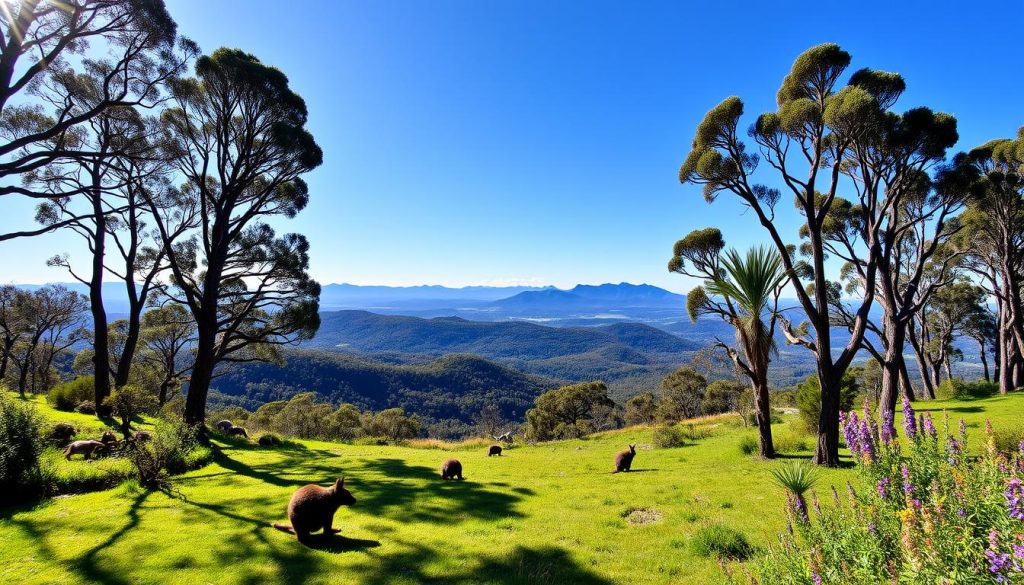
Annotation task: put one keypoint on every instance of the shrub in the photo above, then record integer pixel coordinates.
(86, 407)
(269, 440)
(957, 389)
(173, 449)
(128, 402)
(718, 540)
(1008, 441)
(69, 395)
(21, 444)
(60, 434)
(668, 437)
(808, 399)
(748, 444)
(927, 511)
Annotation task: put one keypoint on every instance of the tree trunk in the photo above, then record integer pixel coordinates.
(984, 361)
(763, 415)
(892, 365)
(908, 388)
(922, 362)
(826, 452)
(101, 338)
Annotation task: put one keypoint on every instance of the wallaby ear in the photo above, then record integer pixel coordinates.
(340, 482)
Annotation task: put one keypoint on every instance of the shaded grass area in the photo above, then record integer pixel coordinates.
(546, 514)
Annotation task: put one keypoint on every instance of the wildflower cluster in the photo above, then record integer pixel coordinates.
(927, 512)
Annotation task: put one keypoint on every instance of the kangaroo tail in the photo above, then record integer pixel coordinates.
(284, 528)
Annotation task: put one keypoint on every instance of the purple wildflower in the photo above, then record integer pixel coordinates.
(883, 487)
(850, 432)
(1015, 498)
(909, 423)
(929, 427)
(998, 563)
(888, 430)
(816, 577)
(908, 487)
(961, 513)
(867, 444)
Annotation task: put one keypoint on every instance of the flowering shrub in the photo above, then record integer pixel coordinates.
(927, 512)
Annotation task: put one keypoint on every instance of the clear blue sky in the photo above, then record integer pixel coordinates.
(472, 142)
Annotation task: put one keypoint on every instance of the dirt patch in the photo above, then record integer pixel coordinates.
(642, 516)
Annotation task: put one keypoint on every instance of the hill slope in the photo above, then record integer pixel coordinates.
(447, 391)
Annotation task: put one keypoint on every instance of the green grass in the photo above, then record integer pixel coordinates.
(545, 514)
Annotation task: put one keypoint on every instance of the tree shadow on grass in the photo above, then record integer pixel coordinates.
(416, 500)
(546, 565)
(959, 409)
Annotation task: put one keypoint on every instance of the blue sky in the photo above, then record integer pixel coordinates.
(538, 142)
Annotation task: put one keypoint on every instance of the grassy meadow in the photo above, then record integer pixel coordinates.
(550, 513)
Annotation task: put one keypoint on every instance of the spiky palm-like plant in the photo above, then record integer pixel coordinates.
(797, 480)
(743, 290)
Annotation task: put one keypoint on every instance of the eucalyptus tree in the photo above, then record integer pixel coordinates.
(62, 64)
(14, 321)
(54, 321)
(743, 291)
(824, 139)
(237, 136)
(168, 333)
(993, 243)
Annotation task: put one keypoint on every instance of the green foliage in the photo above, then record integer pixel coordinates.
(682, 393)
(723, 542)
(128, 402)
(808, 398)
(814, 73)
(921, 511)
(748, 444)
(957, 389)
(640, 409)
(269, 440)
(569, 412)
(173, 449)
(69, 395)
(21, 444)
(392, 424)
(797, 479)
(668, 437)
(722, 396)
(789, 443)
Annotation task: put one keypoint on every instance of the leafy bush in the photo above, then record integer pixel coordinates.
(21, 444)
(928, 511)
(808, 399)
(128, 402)
(957, 389)
(173, 449)
(718, 540)
(269, 440)
(668, 437)
(69, 395)
(86, 407)
(1008, 441)
(748, 444)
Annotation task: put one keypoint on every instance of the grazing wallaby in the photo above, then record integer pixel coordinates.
(624, 459)
(312, 508)
(86, 448)
(494, 450)
(233, 431)
(224, 425)
(143, 436)
(451, 469)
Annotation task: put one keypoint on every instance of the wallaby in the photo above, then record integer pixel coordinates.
(624, 459)
(451, 469)
(312, 508)
(238, 431)
(494, 450)
(62, 433)
(224, 425)
(108, 438)
(86, 448)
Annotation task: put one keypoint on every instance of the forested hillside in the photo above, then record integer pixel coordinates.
(446, 393)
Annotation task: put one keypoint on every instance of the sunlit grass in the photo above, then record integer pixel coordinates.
(551, 513)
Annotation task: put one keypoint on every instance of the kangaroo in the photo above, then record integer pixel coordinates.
(224, 425)
(86, 448)
(624, 459)
(451, 469)
(233, 431)
(494, 450)
(312, 508)
(62, 433)
(108, 438)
